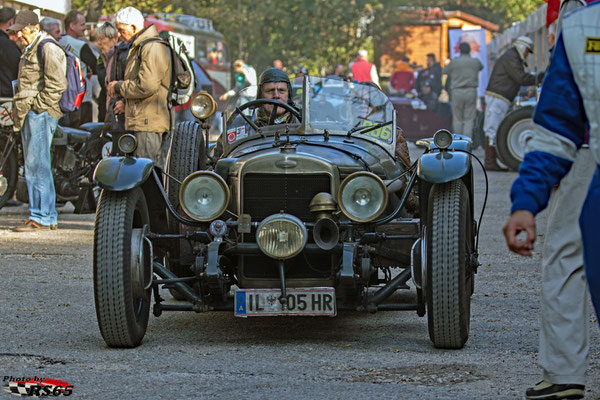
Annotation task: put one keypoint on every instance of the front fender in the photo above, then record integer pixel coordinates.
(122, 173)
(443, 166)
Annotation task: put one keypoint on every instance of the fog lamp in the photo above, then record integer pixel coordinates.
(281, 236)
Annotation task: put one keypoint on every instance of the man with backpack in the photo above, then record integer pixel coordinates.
(36, 112)
(72, 40)
(146, 85)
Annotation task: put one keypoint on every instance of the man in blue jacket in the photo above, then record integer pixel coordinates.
(566, 108)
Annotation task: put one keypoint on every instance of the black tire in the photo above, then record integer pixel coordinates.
(513, 133)
(187, 156)
(8, 174)
(448, 280)
(122, 303)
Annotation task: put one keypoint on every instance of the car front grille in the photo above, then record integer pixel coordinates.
(267, 194)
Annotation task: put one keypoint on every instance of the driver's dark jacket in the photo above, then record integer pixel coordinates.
(509, 75)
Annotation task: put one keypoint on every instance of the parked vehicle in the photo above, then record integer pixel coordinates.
(74, 152)
(514, 132)
(300, 219)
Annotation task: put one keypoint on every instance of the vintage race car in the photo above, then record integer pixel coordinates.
(300, 219)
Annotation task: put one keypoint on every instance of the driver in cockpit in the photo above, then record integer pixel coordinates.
(274, 84)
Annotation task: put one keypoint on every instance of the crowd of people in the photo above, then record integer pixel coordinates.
(133, 75)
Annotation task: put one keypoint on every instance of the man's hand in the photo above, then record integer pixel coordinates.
(110, 89)
(519, 221)
(119, 107)
(224, 96)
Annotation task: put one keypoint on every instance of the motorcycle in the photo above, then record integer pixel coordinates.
(74, 154)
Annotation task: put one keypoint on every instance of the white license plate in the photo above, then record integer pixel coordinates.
(300, 301)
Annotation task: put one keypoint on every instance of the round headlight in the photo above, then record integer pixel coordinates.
(362, 196)
(203, 105)
(127, 143)
(442, 139)
(281, 236)
(204, 196)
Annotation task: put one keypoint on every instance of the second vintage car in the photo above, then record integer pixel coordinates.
(300, 219)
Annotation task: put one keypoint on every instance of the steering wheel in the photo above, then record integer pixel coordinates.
(259, 102)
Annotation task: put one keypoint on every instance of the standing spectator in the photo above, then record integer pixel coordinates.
(402, 80)
(52, 27)
(145, 86)
(36, 113)
(245, 76)
(463, 73)
(9, 53)
(508, 75)
(74, 33)
(433, 74)
(100, 95)
(105, 38)
(338, 72)
(278, 64)
(299, 75)
(363, 70)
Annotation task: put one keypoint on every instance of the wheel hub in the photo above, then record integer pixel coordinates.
(519, 135)
(140, 264)
(3, 184)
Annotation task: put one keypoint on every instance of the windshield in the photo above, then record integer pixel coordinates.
(341, 106)
(338, 106)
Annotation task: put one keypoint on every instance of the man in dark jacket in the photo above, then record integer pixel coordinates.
(507, 77)
(433, 74)
(9, 53)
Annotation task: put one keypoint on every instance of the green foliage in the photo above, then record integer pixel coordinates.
(314, 33)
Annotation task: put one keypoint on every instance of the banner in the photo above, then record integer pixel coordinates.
(476, 39)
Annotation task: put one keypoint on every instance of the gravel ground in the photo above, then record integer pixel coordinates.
(49, 329)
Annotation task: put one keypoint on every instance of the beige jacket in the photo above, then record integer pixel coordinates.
(145, 88)
(36, 89)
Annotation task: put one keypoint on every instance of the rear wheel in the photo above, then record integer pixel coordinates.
(8, 172)
(187, 156)
(514, 132)
(122, 265)
(448, 276)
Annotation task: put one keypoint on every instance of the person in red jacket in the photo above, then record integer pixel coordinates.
(403, 79)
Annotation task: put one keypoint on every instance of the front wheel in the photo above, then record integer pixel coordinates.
(514, 132)
(8, 171)
(449, 279)
(122, 265)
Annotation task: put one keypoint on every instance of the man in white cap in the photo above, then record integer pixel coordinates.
(507, 77)
(145, 86)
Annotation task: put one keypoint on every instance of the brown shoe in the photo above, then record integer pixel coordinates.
(491, 161)
(32, 226)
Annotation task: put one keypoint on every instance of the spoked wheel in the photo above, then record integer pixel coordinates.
(514, 132)
(8, 171)
(122, 267)
(449, 280)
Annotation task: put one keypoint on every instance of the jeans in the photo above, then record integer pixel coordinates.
(38, 130)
